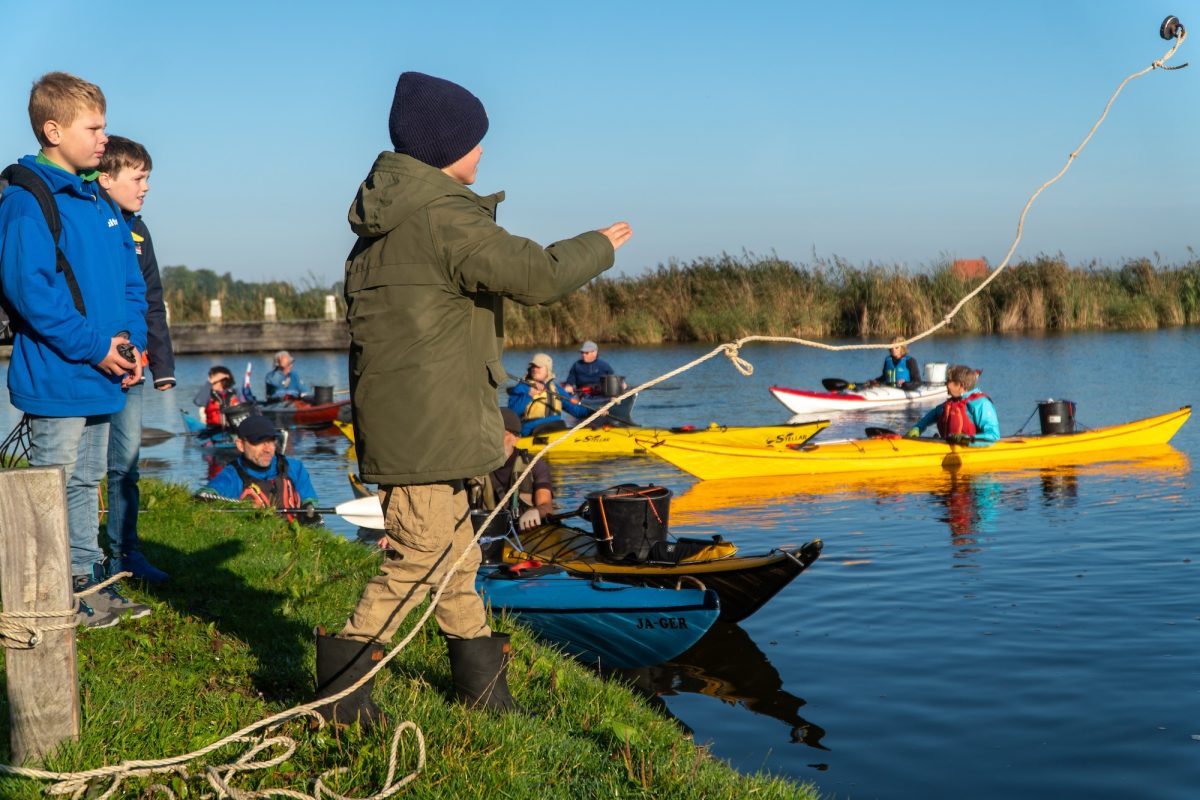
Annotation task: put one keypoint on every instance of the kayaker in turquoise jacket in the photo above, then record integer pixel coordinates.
(969, 419)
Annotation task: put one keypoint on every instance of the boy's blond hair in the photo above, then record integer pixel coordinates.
(121, 153)
(61, 97)
(962, 375)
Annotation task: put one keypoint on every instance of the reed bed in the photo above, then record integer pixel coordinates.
(720, 299)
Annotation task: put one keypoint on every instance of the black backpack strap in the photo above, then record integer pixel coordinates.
(30, 181)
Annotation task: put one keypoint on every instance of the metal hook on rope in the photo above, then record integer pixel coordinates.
(1172, 28)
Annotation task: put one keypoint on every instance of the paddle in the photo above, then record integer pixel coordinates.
(153, 436)
(365, 512)
(881, 433)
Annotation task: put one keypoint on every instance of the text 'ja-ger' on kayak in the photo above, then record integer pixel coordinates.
(896, 453)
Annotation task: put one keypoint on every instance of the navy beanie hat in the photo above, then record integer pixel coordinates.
(434, 120)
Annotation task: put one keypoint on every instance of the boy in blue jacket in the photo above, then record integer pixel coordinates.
(125, 175)
(67, 373)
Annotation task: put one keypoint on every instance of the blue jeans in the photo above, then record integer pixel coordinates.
(124, 447)
(80, 446)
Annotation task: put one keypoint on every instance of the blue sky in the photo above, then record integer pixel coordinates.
(892, 133)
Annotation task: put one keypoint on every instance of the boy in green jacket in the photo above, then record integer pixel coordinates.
(425, 287)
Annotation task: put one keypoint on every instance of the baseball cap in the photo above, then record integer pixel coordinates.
(588, 347)
(256, 430)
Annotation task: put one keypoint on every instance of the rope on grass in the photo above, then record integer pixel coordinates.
(77, 783)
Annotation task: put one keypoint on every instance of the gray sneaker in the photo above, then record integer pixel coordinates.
(109, 600)
(89, 617)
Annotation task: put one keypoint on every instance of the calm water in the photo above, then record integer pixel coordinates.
(1031, 633)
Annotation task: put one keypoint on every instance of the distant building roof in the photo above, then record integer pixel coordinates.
(969, 268)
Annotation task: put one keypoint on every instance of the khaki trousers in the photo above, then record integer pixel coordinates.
(428, 525)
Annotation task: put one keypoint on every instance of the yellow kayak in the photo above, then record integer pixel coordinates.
(347, 429)
(625, 441)
(895, 453)
(707, 502)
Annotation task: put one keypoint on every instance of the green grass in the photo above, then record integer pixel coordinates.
(230, 643)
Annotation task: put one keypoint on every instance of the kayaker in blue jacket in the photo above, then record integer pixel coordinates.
(963, 419)
(284, 383)
(588, 372)
(260, 475)
(539, 401)
(899, 368)
(67, 371)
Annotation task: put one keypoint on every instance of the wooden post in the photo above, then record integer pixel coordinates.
(214, 310)
(35, 575)
(330, 307)
(269, 310)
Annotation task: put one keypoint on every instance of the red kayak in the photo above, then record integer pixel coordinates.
(294, 413)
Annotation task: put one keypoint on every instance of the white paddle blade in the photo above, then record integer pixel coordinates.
(365, 512)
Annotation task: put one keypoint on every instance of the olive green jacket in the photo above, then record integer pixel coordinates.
(424, 296)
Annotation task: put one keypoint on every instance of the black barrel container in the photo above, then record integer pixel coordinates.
(628, 519)
(611, 385)
(1056, 416)
(322, 395)
(491, 541)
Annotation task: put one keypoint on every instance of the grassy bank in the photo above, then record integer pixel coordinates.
(721, 299)
(230, 643)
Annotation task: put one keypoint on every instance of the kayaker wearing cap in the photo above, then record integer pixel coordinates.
(962, 420)
(539, 401)
(262, 477)
(534, 500)
(587, 373)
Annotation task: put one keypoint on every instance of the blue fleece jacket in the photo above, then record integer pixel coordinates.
(228, 483)
(55, 349)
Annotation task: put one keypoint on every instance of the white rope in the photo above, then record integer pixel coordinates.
(77, 783)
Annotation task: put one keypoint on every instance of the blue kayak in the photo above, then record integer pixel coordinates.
(619, 625)
(220, 439)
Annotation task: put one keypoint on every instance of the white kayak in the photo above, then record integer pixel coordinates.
(803, 402)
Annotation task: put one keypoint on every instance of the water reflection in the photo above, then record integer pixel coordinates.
(728, 665)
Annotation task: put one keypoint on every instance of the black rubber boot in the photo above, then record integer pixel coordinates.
(340, 663)
(479, 669)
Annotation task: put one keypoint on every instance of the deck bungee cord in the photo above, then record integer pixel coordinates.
(220, 776)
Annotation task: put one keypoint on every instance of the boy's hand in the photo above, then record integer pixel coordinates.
(618, 233)
(116, 364)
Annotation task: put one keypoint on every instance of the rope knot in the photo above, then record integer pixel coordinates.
(740, 364)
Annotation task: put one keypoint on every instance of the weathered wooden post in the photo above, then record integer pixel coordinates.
(269, 310)
(330, 308)
(214, 310)
(35, 575)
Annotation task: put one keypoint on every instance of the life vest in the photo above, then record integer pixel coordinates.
(214, 412)
(956, 418)
(277, 492)
(483, 492)
(544, 402)
(896, 371)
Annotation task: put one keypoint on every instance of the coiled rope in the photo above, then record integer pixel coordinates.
(76, 784)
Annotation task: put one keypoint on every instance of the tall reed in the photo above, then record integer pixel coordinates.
(726, 297)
